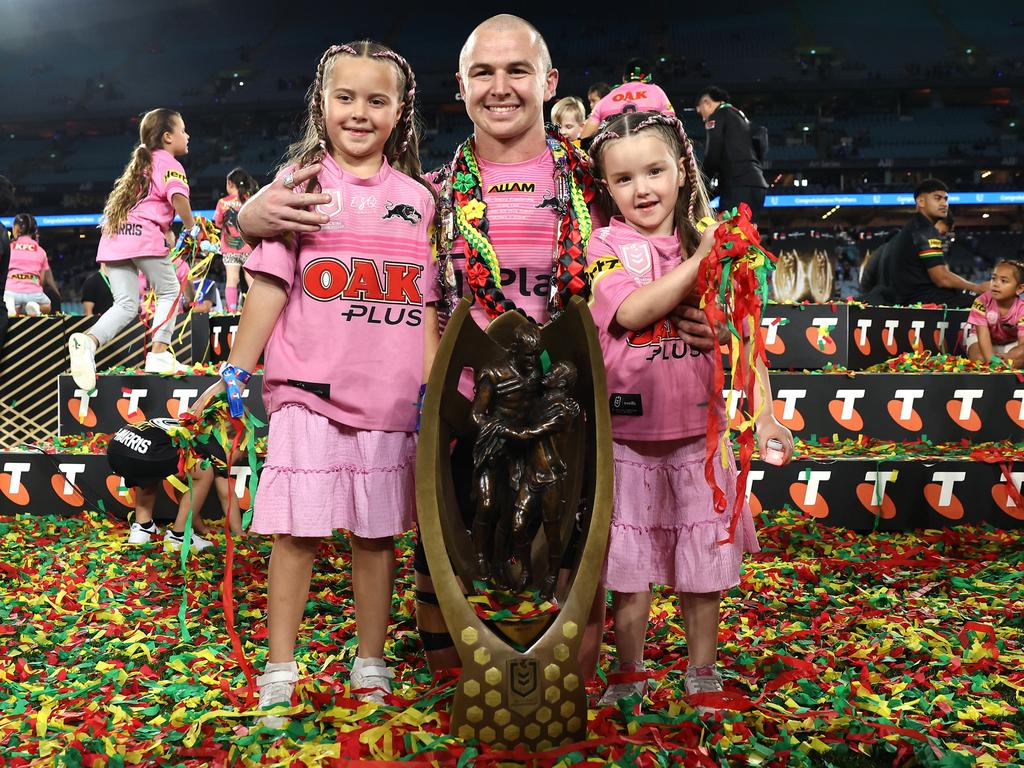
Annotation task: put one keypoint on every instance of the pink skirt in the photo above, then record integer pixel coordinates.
(320, 476)
(664, 526)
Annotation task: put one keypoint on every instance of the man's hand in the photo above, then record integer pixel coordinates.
(692, 324)
(277, 209)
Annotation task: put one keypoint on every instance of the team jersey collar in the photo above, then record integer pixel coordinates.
(331, 165)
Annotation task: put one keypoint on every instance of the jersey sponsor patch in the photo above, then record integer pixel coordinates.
(402, 211)
(513, 186)
(934, 243)
(709, 124)
(626, 404)
(172, 174)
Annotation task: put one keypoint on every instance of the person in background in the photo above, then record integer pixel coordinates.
(915, 264)
(596, 92)
(636, 94)
(731, 154)
(568, 114)
(6, 203)
(28, 271)
(233, 249)
(96, 296)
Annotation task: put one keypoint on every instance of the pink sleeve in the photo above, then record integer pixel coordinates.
(173, 180)
(44, 263)
(429, 285)
(978, 312)
(610, 290)
(276, 258)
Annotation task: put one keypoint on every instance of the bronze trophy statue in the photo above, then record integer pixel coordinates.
(537, 505)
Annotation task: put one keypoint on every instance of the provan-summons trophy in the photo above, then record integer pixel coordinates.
(513, 493)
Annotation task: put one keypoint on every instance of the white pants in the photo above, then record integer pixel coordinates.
(124, 286)
(971, 338)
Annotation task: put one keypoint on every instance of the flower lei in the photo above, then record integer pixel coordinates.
(575, 190)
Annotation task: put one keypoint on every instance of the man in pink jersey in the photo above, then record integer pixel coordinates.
(636, 94)
(505, 76)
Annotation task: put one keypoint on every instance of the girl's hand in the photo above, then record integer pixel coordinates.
(708, 238)
(217, 388)
(768, 428)
(277, 209)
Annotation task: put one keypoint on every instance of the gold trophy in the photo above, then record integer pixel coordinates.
(527, 520)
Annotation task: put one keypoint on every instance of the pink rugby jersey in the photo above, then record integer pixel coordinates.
(225, 217)
(142, 234)
(349, 343)
(27, 265)
(632, 97)
(523, 215)
(1004, 329)
(658, 387)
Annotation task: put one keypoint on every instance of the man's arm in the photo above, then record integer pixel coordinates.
(941, 276)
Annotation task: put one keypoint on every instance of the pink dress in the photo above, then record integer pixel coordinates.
(664, 529)
(344, 363)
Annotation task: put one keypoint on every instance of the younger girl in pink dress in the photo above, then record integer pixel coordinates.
(665, 529)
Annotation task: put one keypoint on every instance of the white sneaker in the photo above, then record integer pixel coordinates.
(174, 541)
(615, 692)
(82, 351)
(163, 362)
(372, 678)
(277, 683)
(140, 534)
(703, 680)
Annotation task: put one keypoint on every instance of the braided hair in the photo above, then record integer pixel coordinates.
(402, 147)
(692, 204)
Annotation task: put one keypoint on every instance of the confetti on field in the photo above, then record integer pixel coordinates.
(838, 648)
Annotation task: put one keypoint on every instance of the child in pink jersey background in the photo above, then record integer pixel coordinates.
(233, 249)
(636, 94)
(136, 238)
(665, 529)
(28, 271)
(996, 320)
(341, 312)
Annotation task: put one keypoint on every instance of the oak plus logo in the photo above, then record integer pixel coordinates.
(12, 482)
(78, 407)
(64, 483)
(843, 408)
(786, 410)
(860, 336)
(901, 408)
(941, 496)
(773, 343)
(128, 405)
(1005, 499)
(1015, 407)
(872, 495)
(807, 494)
(961, 411)
(819, 335)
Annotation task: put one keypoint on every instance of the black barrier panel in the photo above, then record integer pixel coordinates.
(894, 495)
(65, 485)
(221, 335)
(944, 407)
(812, 336)
(120, 399)
(36, 352)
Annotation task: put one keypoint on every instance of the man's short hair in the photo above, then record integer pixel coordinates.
(601, 89)
(6, 195)
(714, 93)
(928, 186)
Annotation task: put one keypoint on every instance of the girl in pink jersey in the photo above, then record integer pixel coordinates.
(636, 94)
(341, 313)
(233, 249)
(664, 526)
(136, 238)
(996, 322)
(29, 270)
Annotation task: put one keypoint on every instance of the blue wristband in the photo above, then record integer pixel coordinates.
(419, 405)
(234, 377)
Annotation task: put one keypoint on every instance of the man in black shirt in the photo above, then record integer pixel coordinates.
(96, 296)
(730, 153)
(915, 266)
